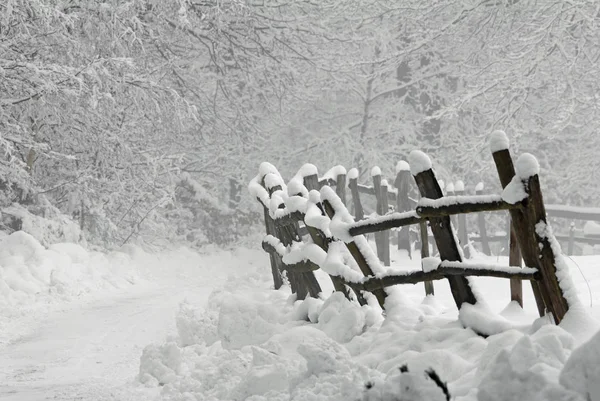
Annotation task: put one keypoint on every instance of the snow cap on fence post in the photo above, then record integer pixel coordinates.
(353, 173)
(375, 171)
(450, 188)
(459, 186)
(527, 166)
(479, 187)
(307, 169)
(418, 162)
(499, 141)
(402, 166)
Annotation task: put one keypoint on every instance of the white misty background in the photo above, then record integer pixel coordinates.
(140, 121)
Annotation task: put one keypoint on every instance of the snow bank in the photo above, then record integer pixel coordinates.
(257, 344)
(31, 273)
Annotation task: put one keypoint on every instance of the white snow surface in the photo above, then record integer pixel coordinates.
(459, 186)
(353, 174)
(418, 162)
(479, 187)
(450, 188)
(209, 326)
(499, 141)
(375, 171)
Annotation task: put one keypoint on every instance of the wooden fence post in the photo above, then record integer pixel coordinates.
(358, 257)
(275, 258)
(485, 245)
(450, 192)
(506, 171)
(402, 184)
(340, 187)
(528, 169)
(385, 235)
(424, 254)
(420, 166)
(379, 238)
(359, 213)
(514, 259)
(311, 182)
(459, 190)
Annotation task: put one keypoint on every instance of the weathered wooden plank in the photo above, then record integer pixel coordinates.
(556, 301)
(463, 237)
(485, 245)
(402, 184)
(514, 259)
(385, 234)
(340, 188)
(465, 204)
(357, 255)
(442, 230)
(521, 224)
(319, 238)
(418, 276)
(429, 290)
(384, 223)
(359, 213)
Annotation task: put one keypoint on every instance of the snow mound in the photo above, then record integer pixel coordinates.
(581, 372)
(375, 171)
(31, 273)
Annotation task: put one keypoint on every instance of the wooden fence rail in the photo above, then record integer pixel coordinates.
(314, 207)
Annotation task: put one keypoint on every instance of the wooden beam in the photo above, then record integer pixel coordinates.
(444, 237)
(418, 276)
(521, 225)
(361, 261)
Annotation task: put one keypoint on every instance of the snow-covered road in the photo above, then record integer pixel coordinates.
(90, 348)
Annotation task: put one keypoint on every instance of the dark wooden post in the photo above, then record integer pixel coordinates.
(312, 182)
(402, 184)
(424, 254)
(357, 255)
(571, 238)
(485, 245)
(514, 259)
(554, 296)
(340, 187)
(385, 235)
(459, 189)
(359, 213)
(275, 258)
(450, 192)
(379, 237)
(420, 165)
(521, 226)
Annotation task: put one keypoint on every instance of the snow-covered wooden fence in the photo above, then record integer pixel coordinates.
(309, 227)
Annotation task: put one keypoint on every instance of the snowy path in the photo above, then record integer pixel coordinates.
(91, 350)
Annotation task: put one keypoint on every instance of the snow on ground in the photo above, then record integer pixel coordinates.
(253, 343)
(208, 326)
(73, 323)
